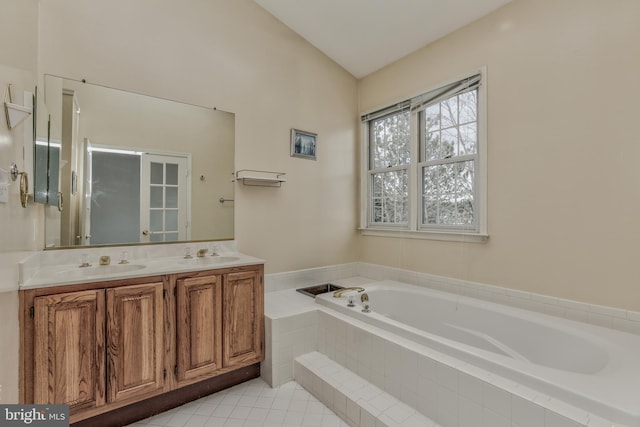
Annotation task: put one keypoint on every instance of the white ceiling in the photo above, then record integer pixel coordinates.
(365, 35)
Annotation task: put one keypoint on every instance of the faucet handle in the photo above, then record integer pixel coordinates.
(201, 252)
(85, 261)
(366, 308)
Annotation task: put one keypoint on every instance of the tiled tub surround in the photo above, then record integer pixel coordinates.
(351, 397)
(416, 381)
(291, 329)
(454, 393)
(592, 367)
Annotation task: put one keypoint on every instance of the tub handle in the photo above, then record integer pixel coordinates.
(365, 303)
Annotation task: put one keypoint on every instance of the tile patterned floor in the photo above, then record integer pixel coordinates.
(251, 404)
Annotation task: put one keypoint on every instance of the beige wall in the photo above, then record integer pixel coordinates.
(18, 226)
(234, 56)
(563, 149)
(18, 47)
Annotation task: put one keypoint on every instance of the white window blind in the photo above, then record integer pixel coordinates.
(425, 99)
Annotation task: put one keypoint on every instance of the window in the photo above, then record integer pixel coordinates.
(425, 163)
(390, 158)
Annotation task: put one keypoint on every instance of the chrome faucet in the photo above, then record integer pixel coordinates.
(339, 292)
(201, 252)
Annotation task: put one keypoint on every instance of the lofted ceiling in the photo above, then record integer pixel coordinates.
(365, 35)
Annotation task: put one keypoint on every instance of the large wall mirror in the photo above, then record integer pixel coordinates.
(114, 167)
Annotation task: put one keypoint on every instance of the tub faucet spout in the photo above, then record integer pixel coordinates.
(339, 292)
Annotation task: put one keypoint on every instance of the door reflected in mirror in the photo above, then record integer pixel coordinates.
(130, 168)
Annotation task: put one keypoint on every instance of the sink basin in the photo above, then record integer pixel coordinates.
(208, 260)
(99, 270)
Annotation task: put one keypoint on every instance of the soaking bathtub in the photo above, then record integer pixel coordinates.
(589, 367)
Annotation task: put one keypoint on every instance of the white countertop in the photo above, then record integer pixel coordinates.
(54, 268)
(72, 274)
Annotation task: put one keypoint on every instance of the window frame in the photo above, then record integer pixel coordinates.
(372, 171)
(414, 227)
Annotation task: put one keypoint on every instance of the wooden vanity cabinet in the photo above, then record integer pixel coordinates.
(135, 341)
(243, 318)
(198, 327)
(92, 348)
(117, 348)
(69, 358)
(220, 322)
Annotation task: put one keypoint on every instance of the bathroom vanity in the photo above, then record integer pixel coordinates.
(120, 341)
(121, 349)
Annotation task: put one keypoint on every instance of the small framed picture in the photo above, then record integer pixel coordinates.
(304, 144)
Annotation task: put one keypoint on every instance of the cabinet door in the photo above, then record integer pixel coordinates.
(243, 318)
(199, 326)
(69, 360)
(135, 364)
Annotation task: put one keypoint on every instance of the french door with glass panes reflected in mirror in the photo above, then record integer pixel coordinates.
(164, 207)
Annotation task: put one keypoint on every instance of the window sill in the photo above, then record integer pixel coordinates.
(426, 235)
